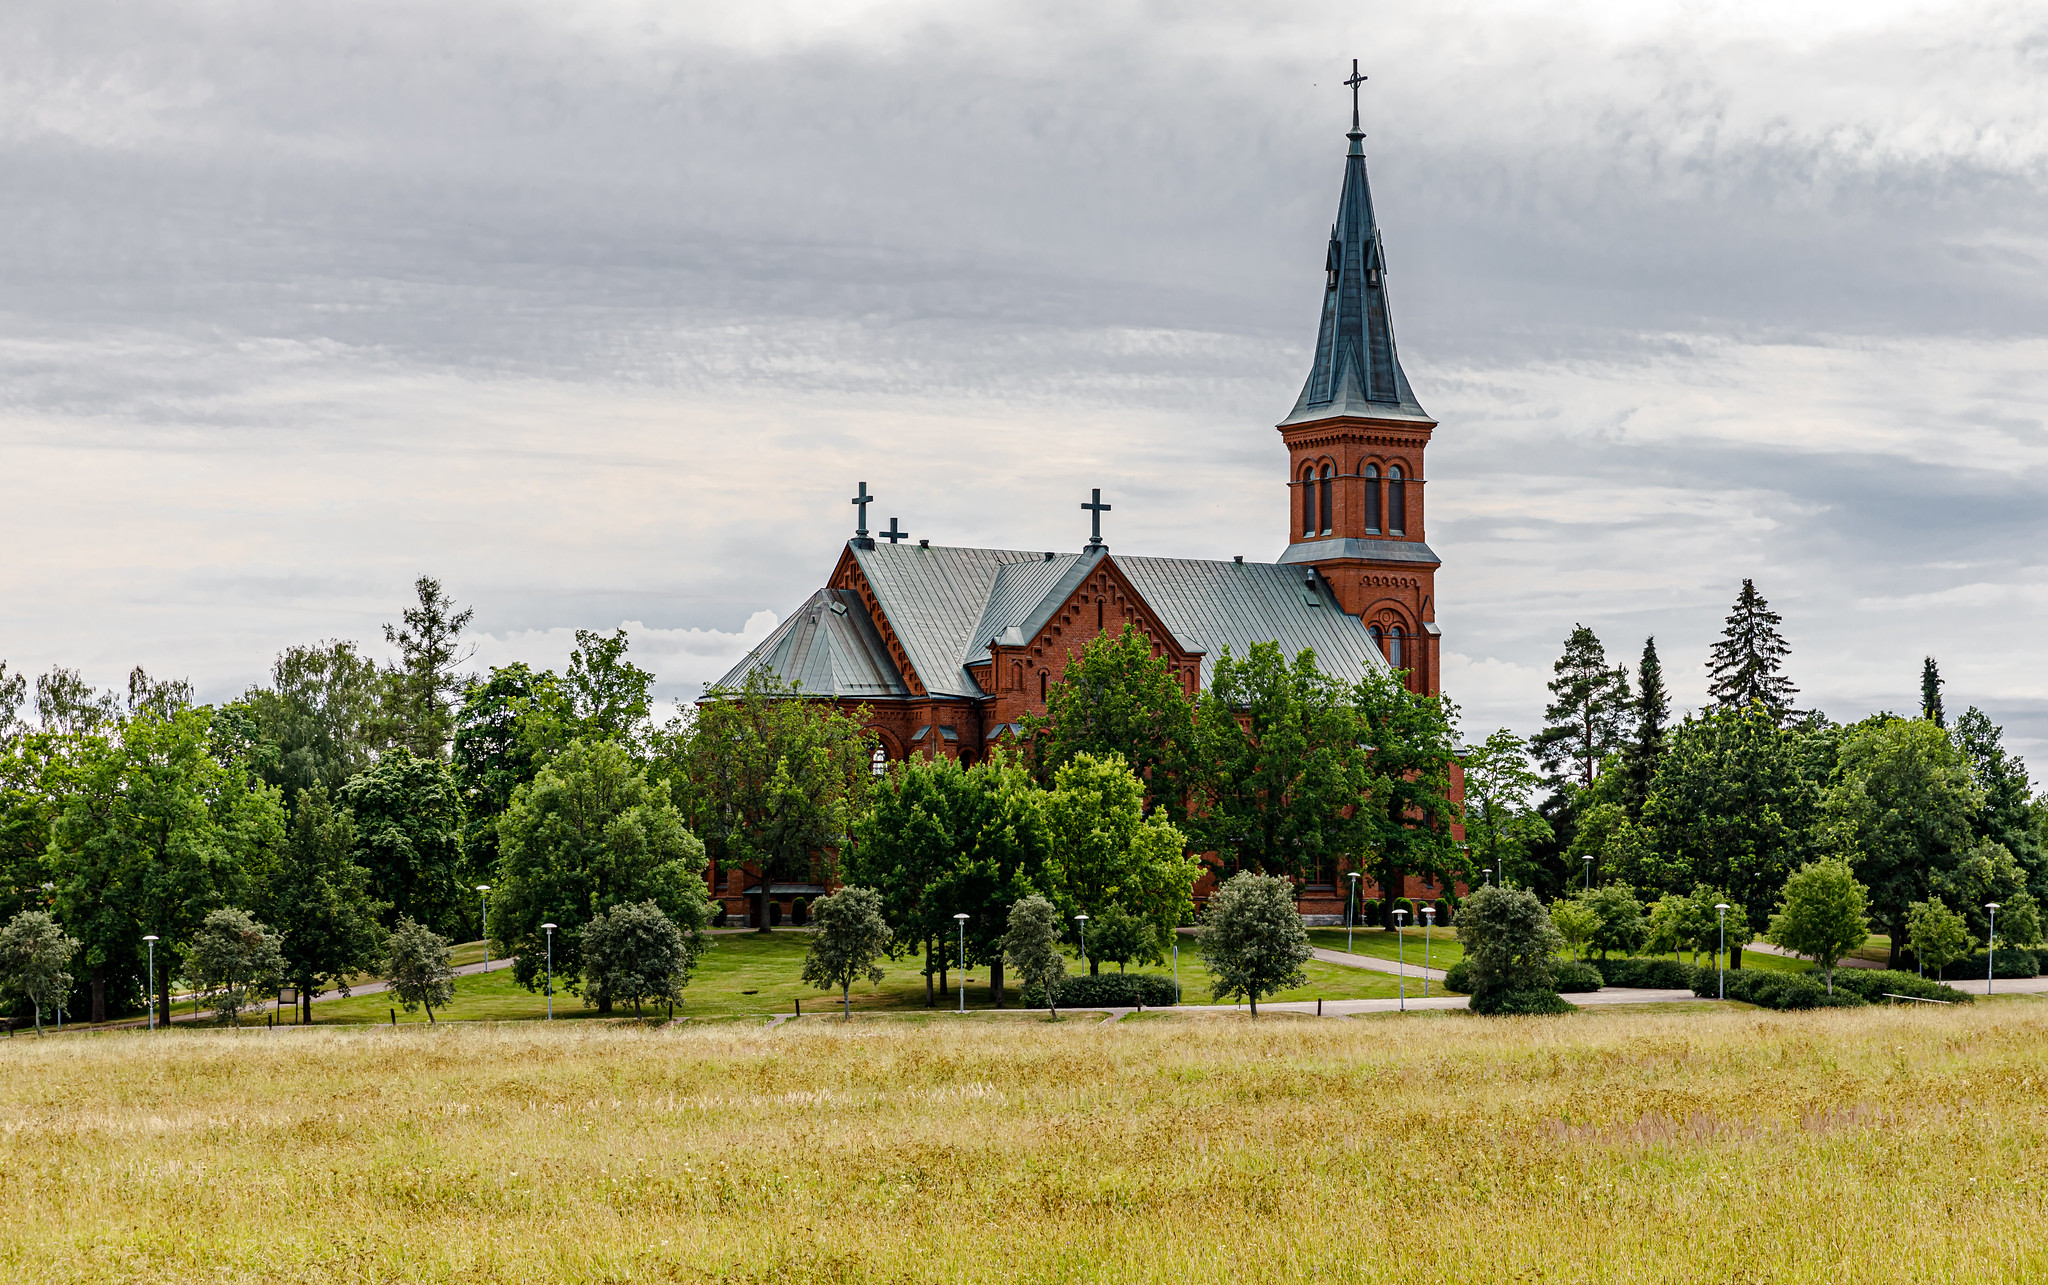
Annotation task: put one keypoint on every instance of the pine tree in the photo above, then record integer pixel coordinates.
(1930, 693)
(1646, 747)
(1744, 665)
(423, 688)
(1585, 721)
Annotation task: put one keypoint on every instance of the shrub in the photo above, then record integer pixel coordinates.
(718, 918)
(1407, 904)
(2012, 963)
(1870, 984)
(1648, 972)
(1371, 913)
(1520, 1003)
(1109, 990)
(1774, 990)
(774, 914)
(1574, 978)
(800, 911)
(1443, 913)
(1458, 978)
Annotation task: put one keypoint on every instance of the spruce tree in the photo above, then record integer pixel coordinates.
(1744, 665)
(1930, 693)
(1584, 723)
(1646, 747)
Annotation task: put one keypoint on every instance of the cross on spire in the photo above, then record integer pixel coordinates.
(862, 501)
(892, 535)
(1357, 79)
(1097, 509)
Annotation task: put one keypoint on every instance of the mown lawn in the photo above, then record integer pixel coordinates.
(1384, 943)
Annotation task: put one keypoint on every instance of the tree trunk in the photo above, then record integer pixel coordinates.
(164, 994)
(1094, 966)
(929, 1002)
(1898, 937)
(846, 1001)
(430, 1014)
(305, 1007)
(761, 922)
(1254, 997)
(99, 993)
(995, 979)
(1734, 958)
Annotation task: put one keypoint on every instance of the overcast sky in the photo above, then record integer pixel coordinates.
(599, 311)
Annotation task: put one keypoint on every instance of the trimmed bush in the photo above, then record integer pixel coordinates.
(800, 911)
(1777, 990)
(1646, 972)
(1370, 912)
(2012, 963)
(1521, 1003)
(719, 917)
(1443, 913)
(1871, 984)
(774, 914)
(1576, 978)
(1110, 990)
(1407, 904)
(1458, 978)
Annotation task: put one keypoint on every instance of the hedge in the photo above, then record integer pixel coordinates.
(1576, 978)
(1458, 978)
(1520, 1003)
(1110, 990)
(1776, 990)
(1872, 983)
(2012, 964)
(1646, 972)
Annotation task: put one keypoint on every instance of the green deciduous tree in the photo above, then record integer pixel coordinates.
(772, 782)
(422, 689)
(408, 824)
(319, 721)
(416, 964)
(1743, 668)
(608, 694)
(2008, 815)
(1988, 873)
(319, 900)
(1252, 938)
(635, 953)
(1116, 936)
(1584, 720)
(1031, 942)
(69, 706)
(1618, 919)
(1575, 922)
(851, 935)
(1938, 935)
(1500, 826)
(1106, 851)
(35, 956)
(1823, 915)
(235, 959)
(13, 691)
(1510, 944)
(590, 832)
(1118, 698)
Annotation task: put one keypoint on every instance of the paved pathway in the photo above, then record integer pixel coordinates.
(1412, 968)
(1765, 948)
(181, 1007)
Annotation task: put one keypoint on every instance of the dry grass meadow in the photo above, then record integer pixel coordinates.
(1705, 1145)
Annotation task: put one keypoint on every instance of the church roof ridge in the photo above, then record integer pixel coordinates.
(1357, 369)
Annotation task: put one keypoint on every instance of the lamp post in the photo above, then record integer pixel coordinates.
(151, 989)
(484, 919)
(1428, 922)
(551, 971)
(1990, 955)
(1721, 913)
(1589, 871)
(1083, 921)
(1400, 959)
(961, 919)
(1352, 920)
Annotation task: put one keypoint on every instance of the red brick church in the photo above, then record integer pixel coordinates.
(948, 648)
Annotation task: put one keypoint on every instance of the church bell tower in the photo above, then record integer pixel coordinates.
(1355, 443)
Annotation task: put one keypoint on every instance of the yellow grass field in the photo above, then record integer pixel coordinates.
(1702, 1145)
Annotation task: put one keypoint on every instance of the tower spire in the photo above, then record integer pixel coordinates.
(1357, 370)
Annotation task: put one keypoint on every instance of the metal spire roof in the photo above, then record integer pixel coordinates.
(1356, 370)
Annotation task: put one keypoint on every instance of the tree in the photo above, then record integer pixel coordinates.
(234, 958)
(68, 705)
(1252, 938)
(1930, 693)
(1742, 669)
(1407, 813)
(1938, 935)
(417, 968)
(608, 694)
(318, 723)
(495, 753)
(1574, 921)
(408, 824)
(1116, 936)
(319, 900)
(1582, 725)
(1105, 851)
(589, 833)
(635, 953)
(1646, 746)
(851, 935)
(1510, 943)
(163, 697)
(1618, 919)
(772, 781)
(1988, 873)
(13, 691)
(422, 688)
(1032, 944)
(1714, 928)
(2008, 815)
(1900, 812)
(1119, 698)
(1499, 825)
(34, 955)
(1823, 915)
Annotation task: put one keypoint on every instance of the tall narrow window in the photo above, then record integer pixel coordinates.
(1397, 502)
(1098, 613)
(1394, 646)
(1372, 498)
(1308, 502)
(1041, 687)
(1329, 519)
(1373, 632)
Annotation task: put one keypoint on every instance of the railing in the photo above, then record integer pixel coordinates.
(1895, 997)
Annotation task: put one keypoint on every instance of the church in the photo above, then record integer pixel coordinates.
(948, 648)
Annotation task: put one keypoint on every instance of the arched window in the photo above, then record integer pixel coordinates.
(1328, 511)
(1041, 687)
(1397, 502)
(1308, 502)
(1394, 644)
(1373, 632)
(1372, 498)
